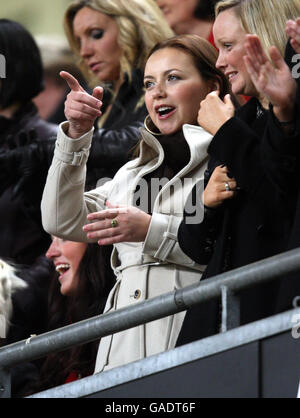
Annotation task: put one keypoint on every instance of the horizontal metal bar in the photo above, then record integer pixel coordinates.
(149, 310)
(181, 355)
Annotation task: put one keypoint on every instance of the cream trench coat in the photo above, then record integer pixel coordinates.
(143, 270)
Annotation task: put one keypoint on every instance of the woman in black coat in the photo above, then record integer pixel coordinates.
(22, 236)
(247, 216)
(282, 156)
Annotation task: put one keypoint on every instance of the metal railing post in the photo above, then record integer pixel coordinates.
(5, 383)
(230, 309)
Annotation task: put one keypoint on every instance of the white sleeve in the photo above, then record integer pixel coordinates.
(64, 205)
(161, 241)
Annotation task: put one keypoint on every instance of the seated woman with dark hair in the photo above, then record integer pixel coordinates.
(78, 290)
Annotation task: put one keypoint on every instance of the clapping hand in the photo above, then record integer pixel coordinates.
(271, 77)
(81, 108)
(293, 31)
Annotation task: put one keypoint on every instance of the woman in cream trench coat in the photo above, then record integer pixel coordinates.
(156, 264)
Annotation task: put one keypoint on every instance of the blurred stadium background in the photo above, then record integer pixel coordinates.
(39, 17)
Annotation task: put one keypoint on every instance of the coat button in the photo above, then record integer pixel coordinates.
(137, 294)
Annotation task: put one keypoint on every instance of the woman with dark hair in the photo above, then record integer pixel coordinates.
(133, 211)
(22, 236)
(190, 16)
(78, 291)
(17, 44)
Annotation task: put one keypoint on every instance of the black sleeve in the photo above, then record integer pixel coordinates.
(26, 166)
(253, 155)
(280, 154)
(113, 147)
(281, 151)
(197, 240)
(237, 145)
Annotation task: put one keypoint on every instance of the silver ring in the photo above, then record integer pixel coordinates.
(227, 187)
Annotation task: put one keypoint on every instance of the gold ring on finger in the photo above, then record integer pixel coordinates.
(114, 223)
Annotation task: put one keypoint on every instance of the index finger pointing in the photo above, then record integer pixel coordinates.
(71, 80)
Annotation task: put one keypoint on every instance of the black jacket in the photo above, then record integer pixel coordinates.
(113, 143)
(256, 224)
(22, 238)
(111, 147)
(287, 178)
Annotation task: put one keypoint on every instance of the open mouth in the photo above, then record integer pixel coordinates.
(231, 76)
(165, 111)
(62, 268)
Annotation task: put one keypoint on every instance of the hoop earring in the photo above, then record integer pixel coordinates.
(147, 118)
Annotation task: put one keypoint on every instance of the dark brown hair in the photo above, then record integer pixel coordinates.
(24, 69)
(96, 279)
(204, 56)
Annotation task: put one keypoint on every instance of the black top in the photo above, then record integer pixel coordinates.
(22, 238)
(110, 148)
(176, 157)
(256, 224)
(113, 143)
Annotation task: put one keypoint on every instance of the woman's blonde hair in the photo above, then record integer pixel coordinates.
(265, 18)
(141, 25)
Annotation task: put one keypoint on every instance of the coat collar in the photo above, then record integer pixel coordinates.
(198, 141)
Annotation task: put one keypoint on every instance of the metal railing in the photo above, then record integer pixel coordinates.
(100, 384)
(226, 286)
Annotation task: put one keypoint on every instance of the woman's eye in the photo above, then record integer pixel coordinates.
(227, 46)
(97, 33)
(148, 84)
(173, 77)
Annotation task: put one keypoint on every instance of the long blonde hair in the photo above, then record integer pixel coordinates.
(265, 18)
(141, 25)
